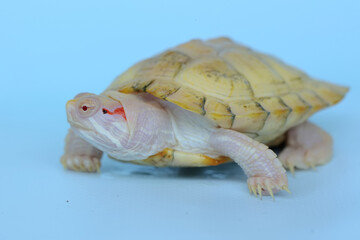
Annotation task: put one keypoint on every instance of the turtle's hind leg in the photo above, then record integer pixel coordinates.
(306, 146)
(79, 155)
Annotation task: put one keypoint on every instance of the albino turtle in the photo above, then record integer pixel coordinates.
(204, 103)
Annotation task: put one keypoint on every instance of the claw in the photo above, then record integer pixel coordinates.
(286, 189)
(97, 168)
(253, 189)
(312, 165)
(292, 169)
(270, 191)
(259, 190)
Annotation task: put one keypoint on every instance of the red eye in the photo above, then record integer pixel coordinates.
(84, 108)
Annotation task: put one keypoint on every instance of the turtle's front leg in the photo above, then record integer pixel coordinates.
(80, 155)
(306, 146)
(260, 164)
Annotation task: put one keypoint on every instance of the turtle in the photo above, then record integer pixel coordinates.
(205, 103)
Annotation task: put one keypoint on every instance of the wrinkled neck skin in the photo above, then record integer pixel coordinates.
(148, 128)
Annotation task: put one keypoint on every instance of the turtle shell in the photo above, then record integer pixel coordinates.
(233, 85)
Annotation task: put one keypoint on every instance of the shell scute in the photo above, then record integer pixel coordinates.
(195, 49)
(250, 116)
(277, 117)
(233, 85)
(219, 112)
(298, 107)
(215, 78)
(188, 99)
(314, 100)
(264, 81)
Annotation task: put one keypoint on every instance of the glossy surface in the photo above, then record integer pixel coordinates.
(234, 86)
(50, 51)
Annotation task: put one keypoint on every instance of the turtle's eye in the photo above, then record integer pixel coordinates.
(105, 111)
(88, 106)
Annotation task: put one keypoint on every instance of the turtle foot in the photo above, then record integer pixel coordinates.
(81, 163)
(307, 147)
(266, 186)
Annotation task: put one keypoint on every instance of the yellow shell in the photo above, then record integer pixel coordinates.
(232, 85)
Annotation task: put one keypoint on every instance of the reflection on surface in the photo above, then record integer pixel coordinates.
(112, 168)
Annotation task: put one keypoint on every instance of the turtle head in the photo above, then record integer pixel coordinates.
(98, 119)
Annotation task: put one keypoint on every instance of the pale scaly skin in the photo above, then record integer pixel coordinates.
(80, 155)
(150, 127)
(229, 84)
(307, 146)
(260, 164)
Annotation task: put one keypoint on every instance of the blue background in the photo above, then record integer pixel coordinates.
(52, 50)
